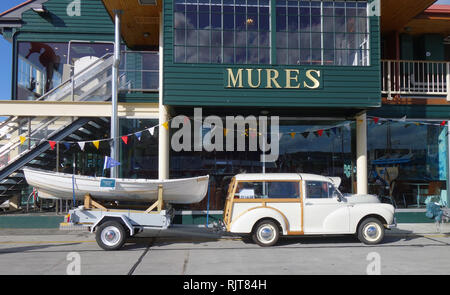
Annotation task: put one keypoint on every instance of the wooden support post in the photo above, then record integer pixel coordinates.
(89, 203)
(159, 203)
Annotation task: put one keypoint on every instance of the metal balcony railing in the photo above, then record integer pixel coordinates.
(416, 78)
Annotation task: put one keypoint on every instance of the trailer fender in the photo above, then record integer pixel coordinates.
(123, 218)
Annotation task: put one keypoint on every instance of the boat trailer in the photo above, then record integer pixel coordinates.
(113, 224)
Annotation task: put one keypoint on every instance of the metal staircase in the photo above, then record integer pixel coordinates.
(25, 139)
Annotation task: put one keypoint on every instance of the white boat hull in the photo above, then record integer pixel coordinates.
(53, 185)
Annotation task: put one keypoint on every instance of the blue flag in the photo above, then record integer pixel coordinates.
(110, 162)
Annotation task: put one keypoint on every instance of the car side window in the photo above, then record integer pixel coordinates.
(269, 189)
(319, 190)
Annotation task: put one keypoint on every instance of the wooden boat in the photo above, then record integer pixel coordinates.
(53, 185)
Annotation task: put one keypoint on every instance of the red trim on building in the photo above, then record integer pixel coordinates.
(16, 7)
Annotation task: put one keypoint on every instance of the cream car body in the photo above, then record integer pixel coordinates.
(300, 212)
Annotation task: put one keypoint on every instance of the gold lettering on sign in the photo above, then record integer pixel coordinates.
(289, 77)
(250, 78)
(235, 79)
(272, 78)
(313, 79)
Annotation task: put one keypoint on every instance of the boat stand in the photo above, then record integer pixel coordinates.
(90, 203)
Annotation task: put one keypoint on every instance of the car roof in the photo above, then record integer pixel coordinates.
(281, 176)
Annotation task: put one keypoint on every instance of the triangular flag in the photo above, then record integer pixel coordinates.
(125, 139)
(81, 144)
(292, 134)
(376, 120)
(166, 125)
(52, 144)
(305, 134)
(320, 132)
(67, 145)
(110, 162)
(96, 143)
(151, 130)
(327, 132)
(225, 131)
(417, 123)
(252, 134)
(443, 123)
(186, 119)
(402, 119)
(22, 139)
(334, 129)
(138, 135)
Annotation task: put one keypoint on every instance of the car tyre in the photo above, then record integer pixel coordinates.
(111, 235)
(266, 233)
(371, 231)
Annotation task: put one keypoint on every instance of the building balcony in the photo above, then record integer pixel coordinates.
(415, 79)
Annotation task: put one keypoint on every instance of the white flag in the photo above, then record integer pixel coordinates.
(152, 130)
(81, 144)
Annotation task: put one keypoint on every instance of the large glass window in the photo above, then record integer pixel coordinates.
(222, 31)
(322, 33)
(239, 32)
(317, 147)
(40, 65)
(408, 162)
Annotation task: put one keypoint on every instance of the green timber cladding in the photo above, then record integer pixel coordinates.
(205, 84)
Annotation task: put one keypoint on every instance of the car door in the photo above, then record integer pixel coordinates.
(323, 212)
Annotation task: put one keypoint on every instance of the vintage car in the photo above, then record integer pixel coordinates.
(269, 205)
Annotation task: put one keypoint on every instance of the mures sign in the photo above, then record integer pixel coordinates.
(273, 78)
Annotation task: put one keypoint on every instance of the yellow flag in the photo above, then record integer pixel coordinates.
(417, 124)
(166, 125)
(225, 131)
(96, 143)
(292, 134)
(22, 139)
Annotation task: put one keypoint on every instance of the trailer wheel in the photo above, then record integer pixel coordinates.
(111, 235)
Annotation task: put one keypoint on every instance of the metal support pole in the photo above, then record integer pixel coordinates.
(115, 95)
(448, 81)
(361, 154)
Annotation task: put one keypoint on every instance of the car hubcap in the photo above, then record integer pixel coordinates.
(372, 231)
(266, 234)
(110, 236)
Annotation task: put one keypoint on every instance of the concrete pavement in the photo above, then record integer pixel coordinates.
(190, 251)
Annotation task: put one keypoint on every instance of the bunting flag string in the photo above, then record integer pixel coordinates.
(382, 121)
(96, 142)
(252, 132)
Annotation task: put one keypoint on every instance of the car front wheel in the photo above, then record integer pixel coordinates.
(371, 231)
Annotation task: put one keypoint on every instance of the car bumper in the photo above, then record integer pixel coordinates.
(392, 225)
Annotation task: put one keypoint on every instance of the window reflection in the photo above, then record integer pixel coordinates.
(412, 172)
(331, 33)
(40, 65)
(235, 31)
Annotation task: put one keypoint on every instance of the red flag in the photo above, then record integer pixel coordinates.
(443, 123)
(320, 132)
(125, 139)
(376, 120)
(52, 144)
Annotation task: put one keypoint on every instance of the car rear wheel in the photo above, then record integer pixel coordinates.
(371, 231)
(266, 233)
